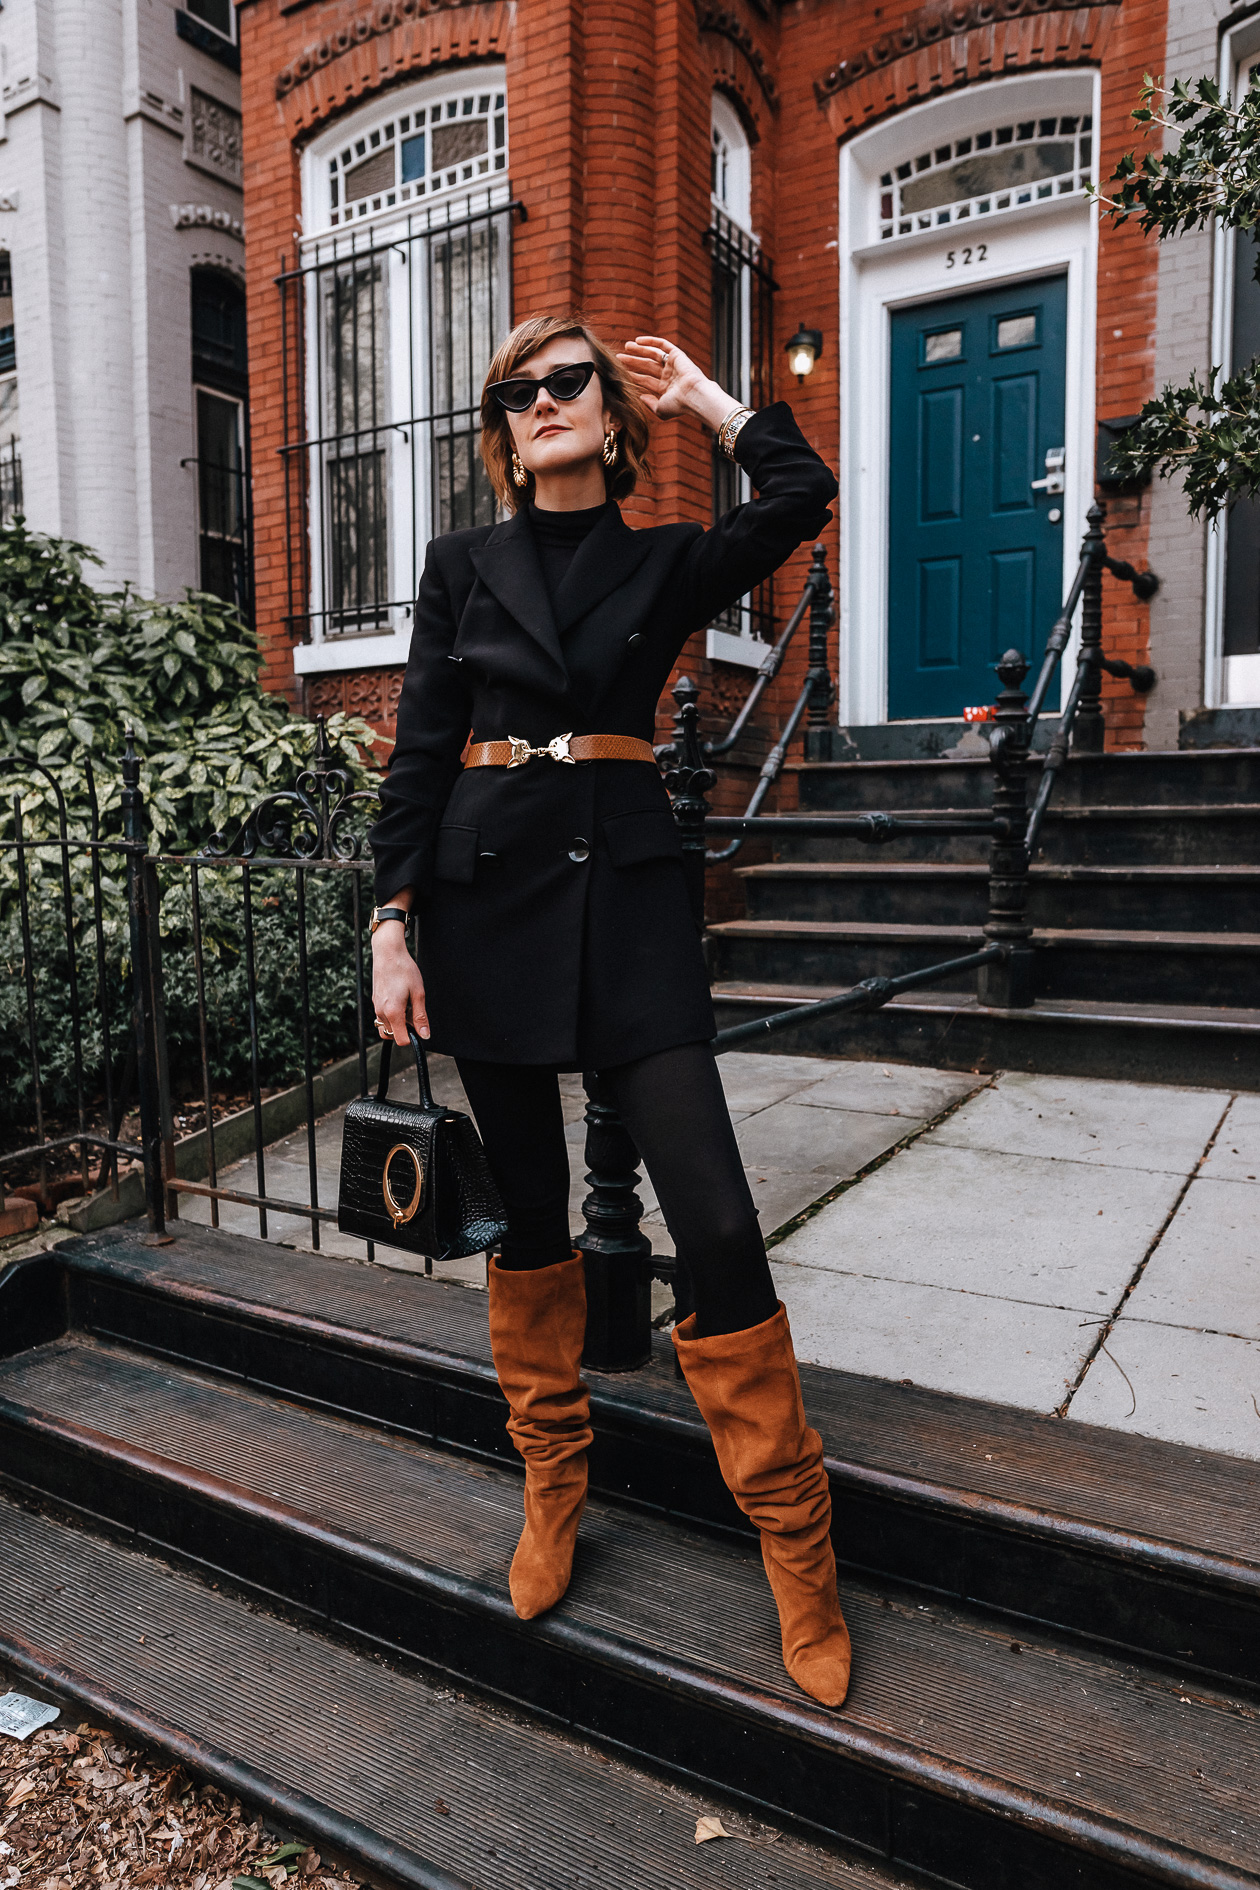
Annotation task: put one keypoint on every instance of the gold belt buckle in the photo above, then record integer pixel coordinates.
(557, 748)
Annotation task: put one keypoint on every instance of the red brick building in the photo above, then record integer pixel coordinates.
(909, 182)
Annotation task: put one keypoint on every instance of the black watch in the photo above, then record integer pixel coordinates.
(381, 913)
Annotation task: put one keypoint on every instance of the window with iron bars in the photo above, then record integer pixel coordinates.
(743, 358)
(390, 318)
(388, 334)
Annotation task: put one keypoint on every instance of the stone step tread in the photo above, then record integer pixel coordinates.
(422, 1785)
(1095, 810)
(765, 994)
(858, 931)
(1118, 761)
(1107, 1479)
(978, 871)
(1040, 1732)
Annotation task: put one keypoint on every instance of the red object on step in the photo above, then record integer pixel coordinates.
(17, 1217)
(985, 713)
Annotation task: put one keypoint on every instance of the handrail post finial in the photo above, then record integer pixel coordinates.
(688, 779)
(1007, 981)
(822, 689)
(1089, 728)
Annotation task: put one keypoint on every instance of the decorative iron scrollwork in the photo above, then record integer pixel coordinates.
(309, 821)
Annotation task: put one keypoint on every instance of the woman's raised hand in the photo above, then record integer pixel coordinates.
(668, 381)
(663, 375)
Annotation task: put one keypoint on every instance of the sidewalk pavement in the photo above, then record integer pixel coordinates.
(1064, 1244)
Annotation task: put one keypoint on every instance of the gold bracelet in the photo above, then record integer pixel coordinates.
(731, 427)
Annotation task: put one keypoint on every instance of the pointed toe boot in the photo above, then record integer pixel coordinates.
(537, 1326)
(749, 1393)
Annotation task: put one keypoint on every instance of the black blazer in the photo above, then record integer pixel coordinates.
(554, 925)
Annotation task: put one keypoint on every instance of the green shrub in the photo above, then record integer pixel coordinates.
(79, 668)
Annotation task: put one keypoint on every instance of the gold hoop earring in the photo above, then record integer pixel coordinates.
(519, 473)
(610, 447)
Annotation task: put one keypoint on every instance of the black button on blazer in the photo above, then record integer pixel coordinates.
(531, 956)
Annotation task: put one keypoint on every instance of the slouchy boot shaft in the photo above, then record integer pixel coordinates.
(749, 1393)
(537, 1326)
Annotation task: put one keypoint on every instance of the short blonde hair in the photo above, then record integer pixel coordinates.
(620, 398)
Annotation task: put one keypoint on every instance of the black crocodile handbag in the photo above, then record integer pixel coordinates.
(415, 1176)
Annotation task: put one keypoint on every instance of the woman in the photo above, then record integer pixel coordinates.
(554, 926)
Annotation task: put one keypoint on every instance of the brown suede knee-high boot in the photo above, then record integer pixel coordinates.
(749, 1393)
(537, 1325)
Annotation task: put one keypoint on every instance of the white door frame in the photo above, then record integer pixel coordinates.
(1227, 681)
(876, 277)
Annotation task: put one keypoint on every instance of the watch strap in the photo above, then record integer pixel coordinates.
(382, 913)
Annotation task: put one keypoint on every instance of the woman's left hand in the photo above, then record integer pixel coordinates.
(667, 380)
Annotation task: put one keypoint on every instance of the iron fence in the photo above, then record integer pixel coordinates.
(201, 988)
(146, 985)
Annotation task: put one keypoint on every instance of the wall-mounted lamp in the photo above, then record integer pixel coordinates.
(803, 350)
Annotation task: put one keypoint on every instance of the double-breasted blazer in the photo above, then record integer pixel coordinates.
(554, 925)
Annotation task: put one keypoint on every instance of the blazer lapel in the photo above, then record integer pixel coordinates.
(507, 565)
(603, 561)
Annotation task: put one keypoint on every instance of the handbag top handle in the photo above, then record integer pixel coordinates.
(422, 1069)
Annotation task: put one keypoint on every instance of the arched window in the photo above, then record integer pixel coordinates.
(730, 163)
(996, 169)
(441, 144)
(401, 294)
(219, 368)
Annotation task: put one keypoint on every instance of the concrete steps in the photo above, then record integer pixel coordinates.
(1145, 893)
(259, 1512)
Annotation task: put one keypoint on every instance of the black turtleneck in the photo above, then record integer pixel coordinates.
(557, 536)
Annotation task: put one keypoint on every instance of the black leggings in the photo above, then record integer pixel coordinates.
(674, 1109)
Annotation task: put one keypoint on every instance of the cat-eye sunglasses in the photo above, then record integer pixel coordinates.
(563, 383)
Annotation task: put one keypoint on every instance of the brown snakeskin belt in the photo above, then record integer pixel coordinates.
(515, 752)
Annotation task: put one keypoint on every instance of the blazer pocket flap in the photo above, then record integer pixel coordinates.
(651, 833)
(456, 855)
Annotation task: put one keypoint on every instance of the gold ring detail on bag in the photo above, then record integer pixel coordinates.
(401, 1214)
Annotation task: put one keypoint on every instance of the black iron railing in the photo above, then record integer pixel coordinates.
(158, 966)
(814, 699)
(170, 974)
(193, 986)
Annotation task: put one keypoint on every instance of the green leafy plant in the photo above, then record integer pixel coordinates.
(78, 669)
(1207, 431)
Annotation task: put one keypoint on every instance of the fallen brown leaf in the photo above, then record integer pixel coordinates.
(709, 1828)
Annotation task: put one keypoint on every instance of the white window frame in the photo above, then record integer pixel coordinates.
(235, 400)
(734, 201)
(230, 37)
(877, 276)
(408, 522)
(1231, 682)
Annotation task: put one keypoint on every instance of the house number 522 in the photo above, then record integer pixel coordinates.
(976, 254)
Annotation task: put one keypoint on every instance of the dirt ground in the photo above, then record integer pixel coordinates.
(78, 1808)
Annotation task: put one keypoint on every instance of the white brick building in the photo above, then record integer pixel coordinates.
(122, 384)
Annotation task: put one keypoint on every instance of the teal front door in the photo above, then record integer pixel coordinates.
(975, 551)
